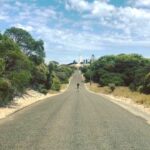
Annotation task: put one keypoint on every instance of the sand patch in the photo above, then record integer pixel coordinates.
(27, 99)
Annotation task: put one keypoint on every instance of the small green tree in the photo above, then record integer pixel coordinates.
(6, 91)
(20, 80)
(39, 76)
(56, 85)
(111, 78)
(146, 84)
(2, 66)
(62, 76)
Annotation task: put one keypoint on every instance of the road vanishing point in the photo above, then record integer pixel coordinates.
(74, 120)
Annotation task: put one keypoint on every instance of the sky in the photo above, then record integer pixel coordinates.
(70, 28)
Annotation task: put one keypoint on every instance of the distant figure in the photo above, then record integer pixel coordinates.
(78, 85)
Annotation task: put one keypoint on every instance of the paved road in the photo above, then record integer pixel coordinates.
(74, 120)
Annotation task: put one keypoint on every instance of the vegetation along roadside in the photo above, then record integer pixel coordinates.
(22, 66)
(124, 75)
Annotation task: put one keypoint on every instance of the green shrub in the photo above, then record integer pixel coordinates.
(112, 86)
(56, 85)
(146, 84)
(20, 80)
(58, 74)
(88, 75)
(6, 91)
(62, 76)
(113, 78)
(2, 66)
(84, 69)
(16, 60)
(21, 61)
(140, 89)
(7, 45)
(124, 69)
(4, 84)
(63, 72)
(133, 87)
(36, 59)
(39, 75)
(44, 91)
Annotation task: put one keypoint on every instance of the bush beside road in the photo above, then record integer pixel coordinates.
(22, 66)
(28, 98)
(129, 70)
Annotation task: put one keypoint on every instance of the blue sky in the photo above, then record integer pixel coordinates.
(71, 28)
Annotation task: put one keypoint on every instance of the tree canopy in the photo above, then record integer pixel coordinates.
(22, 66)
(122, 70)
(26, 42)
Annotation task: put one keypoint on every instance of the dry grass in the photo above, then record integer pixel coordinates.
(96, 88)
(63, 86)
(53, 92)
(124, 92)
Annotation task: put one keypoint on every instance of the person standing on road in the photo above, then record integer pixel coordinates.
(78, 85)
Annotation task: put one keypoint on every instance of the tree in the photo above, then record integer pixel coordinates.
(52, 66)
(6, 91)
(25, 41)
(15, 70)
(146, 84)
(16, 61)
(7, 45)
(56, 85)
(125, 69)
(39, 75)
(2, 66)
(111, 78)
(20, 80)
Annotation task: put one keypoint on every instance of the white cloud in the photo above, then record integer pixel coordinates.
(141, 3)
(25, 27)
(3, 17)
(101, 8)
(101, 25)
(129, 20)
(98, 7)
(69, 40)
(80, 5)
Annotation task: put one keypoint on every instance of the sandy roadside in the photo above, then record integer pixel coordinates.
(27, 99)
(128, 104)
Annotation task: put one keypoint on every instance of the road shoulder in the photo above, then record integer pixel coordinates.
(136, 109)
(31, 97)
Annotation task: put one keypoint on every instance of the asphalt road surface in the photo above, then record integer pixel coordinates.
(74, 120)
